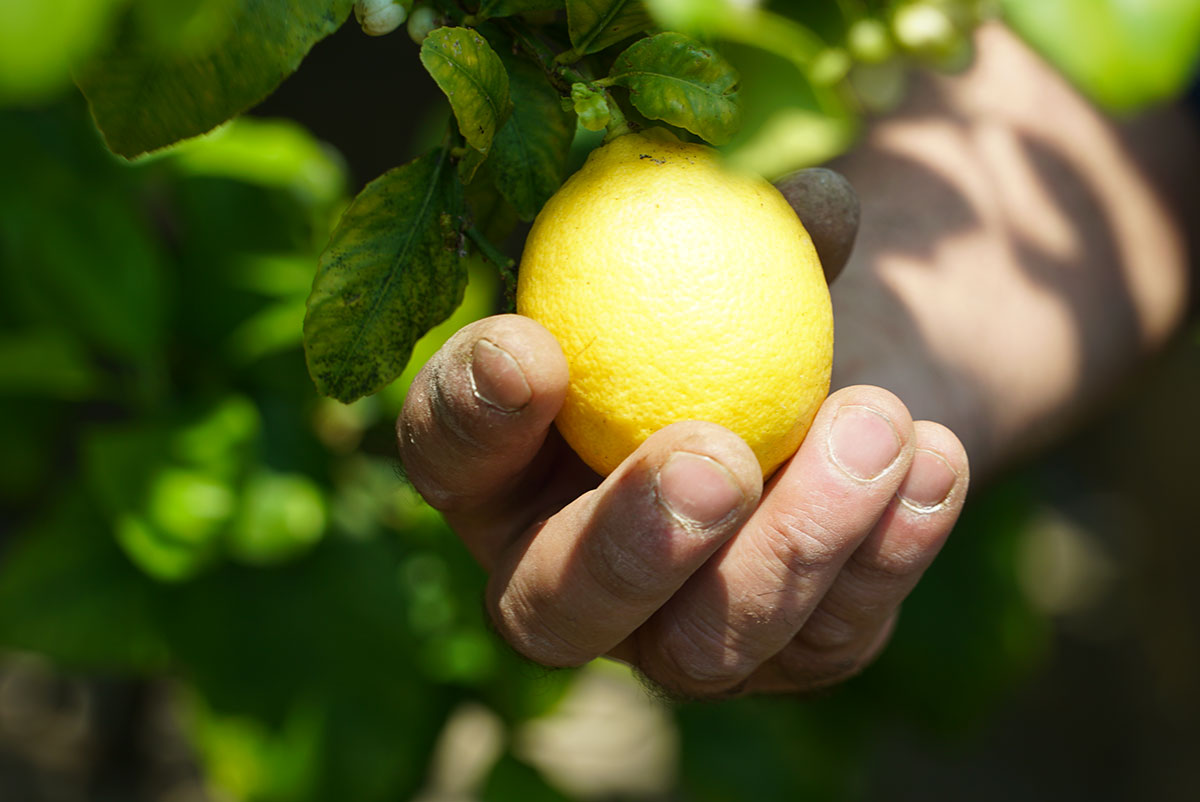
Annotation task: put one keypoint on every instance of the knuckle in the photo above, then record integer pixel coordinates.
(799, 545)
(888, 566)
(621, 571)
(698, 662)
(809, 671)
(524, 626)
(828, 633)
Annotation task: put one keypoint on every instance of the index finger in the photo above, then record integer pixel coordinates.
(475, 421)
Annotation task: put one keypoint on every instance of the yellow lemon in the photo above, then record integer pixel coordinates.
(679, 290)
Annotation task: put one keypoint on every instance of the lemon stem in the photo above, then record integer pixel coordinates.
(489, 251)
(504, 264)
(617, 124)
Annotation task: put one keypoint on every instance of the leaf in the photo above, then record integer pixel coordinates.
(391, 272)
(469, 164)
(144, 96)
(270, 153)
(281, 515)
(67, 592)
(39, 42)
(595, 24)
(674, 78)
(46, 362)
(512, 778)
(169, 490)
(474, 79)
(530, 152)
(1126, 55)
(506, 8)
(77, 251)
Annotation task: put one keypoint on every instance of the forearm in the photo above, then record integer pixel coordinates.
(1014, 259)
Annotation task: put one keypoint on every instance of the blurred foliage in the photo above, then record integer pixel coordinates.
(1125, 54)
(178, 500)
(185, 502)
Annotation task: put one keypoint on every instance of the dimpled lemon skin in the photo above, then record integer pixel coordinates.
(678, 290)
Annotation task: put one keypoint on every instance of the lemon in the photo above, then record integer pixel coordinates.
(679, 290)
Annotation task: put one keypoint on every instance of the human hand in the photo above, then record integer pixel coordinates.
(680, 562)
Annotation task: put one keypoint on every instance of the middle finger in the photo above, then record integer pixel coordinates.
(753, 596)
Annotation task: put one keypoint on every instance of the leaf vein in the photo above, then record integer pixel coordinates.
(474, 81)
(401, 255)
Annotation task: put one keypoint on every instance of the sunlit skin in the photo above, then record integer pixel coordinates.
(1013, 261)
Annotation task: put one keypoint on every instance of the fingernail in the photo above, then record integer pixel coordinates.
(696, 489)
(497, 379)
(929, 482)
(863, 442)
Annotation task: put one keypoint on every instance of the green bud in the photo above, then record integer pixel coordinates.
(591, 107)
(421, 23)
(379, 17)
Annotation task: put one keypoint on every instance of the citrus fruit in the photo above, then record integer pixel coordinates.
(678, 290)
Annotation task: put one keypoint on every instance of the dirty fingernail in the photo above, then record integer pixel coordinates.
(929, 482)
(496, 378)
(697, 489)
(863, 442)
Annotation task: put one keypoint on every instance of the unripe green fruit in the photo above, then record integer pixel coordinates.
(869, 42)
(421, 23)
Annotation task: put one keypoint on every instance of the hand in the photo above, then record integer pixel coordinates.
(681, 563)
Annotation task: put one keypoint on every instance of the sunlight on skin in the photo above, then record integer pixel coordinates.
(1039, 265)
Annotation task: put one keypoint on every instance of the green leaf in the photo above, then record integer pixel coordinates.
(247, 758)
(47, 363)
(391, 273)
(144, 96)
(512, 778)
(41, 42)
(186, 26)
(1125, 55)
(474, 79)
(270, 153)
(169, 491)
(479, 301)
(67, 592)
(674, 78)
(595, 24)
(785, 126)
(281, 515)
(469, 164)
(78, 252)
(530, 152)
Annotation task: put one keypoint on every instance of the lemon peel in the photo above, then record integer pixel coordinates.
(678, 290)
